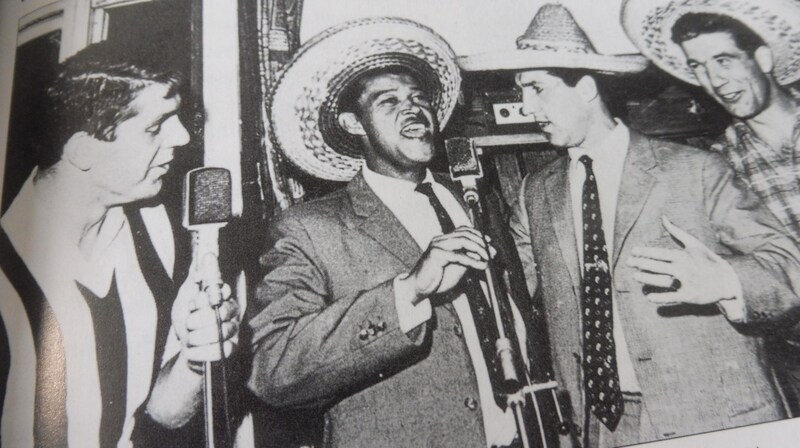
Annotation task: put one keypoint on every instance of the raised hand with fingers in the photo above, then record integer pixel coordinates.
(446, 259)
(693, 274)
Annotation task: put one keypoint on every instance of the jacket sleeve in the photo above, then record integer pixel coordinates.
(765, 258)
(312, 348)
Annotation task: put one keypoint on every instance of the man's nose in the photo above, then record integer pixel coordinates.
(716, 77)
(178, 135)
(410, 105)
(530, 105)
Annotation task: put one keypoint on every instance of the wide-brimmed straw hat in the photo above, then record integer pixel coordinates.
(649, 23)
(553, 40)
(307, 97)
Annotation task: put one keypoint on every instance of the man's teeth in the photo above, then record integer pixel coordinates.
(730, 96)
(414, 130)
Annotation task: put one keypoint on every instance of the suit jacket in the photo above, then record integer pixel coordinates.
(326, 332)
(696, 371)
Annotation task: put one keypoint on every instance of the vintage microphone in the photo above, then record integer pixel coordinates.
(465, 168)
(207, 208)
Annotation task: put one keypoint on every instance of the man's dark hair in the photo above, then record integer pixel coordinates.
(92, 93)
(691, 25)
(348, 101)
(611, 88)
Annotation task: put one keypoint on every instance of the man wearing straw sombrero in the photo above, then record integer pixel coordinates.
(362, 312)
(744, 54)
(649, 256)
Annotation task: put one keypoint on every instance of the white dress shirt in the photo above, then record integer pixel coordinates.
(607, 162)
(415, 213)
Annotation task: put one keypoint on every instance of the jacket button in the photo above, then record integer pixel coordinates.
(363, 334)
(471, 403)
(457, 330)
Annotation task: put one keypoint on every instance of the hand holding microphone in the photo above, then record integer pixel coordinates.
(195, 318)
(204, 316)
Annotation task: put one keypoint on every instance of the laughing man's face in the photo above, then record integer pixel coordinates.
(729, 74)
(398, 119)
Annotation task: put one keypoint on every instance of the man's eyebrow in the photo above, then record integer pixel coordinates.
(725, 55)
(162, 118)
(382, 92)
(528, 83)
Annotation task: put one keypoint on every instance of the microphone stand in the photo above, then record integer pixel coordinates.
(207, 208)
(506, 352)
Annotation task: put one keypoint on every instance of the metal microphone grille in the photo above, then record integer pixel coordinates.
(208, 196)
(462, 158)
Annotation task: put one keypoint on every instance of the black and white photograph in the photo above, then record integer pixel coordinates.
(399, 223)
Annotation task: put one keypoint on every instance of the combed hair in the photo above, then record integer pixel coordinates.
(92, 93)
(691, 25)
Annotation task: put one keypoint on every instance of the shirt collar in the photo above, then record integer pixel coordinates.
(612, 149)
(386, 187)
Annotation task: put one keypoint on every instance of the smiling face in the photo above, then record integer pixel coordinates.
(559, 110)
(735, 78)
(132, 165)
(396, 121)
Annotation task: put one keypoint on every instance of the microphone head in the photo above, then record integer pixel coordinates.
(462, 159)
(207, 197)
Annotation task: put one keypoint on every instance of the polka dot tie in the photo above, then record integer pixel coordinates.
(600, 377)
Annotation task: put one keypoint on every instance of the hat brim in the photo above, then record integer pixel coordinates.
(648, 24)
(536, 59)
(305, 103)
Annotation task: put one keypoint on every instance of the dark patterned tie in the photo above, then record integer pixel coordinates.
(600, 378)
(478, 304)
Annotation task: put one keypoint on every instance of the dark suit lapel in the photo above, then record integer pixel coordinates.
(558, 198)
(634, 189)
(380, 224)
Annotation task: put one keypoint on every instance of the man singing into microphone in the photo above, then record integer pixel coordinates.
(105, 350)
(363, 312)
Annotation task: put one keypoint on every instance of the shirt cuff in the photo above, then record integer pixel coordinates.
(733, 306)
(409, 316)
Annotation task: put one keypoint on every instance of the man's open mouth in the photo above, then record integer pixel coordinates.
(164, 165)
(731, 97)
(415, 129)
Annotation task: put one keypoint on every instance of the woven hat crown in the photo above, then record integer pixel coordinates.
(554, 29)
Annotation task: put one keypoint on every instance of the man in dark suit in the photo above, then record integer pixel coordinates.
(643, 315)
(363, 312)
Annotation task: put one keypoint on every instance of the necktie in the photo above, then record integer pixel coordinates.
(478, 304)
(601, 380)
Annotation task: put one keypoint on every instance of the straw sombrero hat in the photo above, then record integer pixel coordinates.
(649, 23)
(306, 98)
(553, 40)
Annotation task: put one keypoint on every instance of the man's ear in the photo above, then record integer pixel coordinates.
(587, 88)
(764, 59)
(351, 124)
(79, 150)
